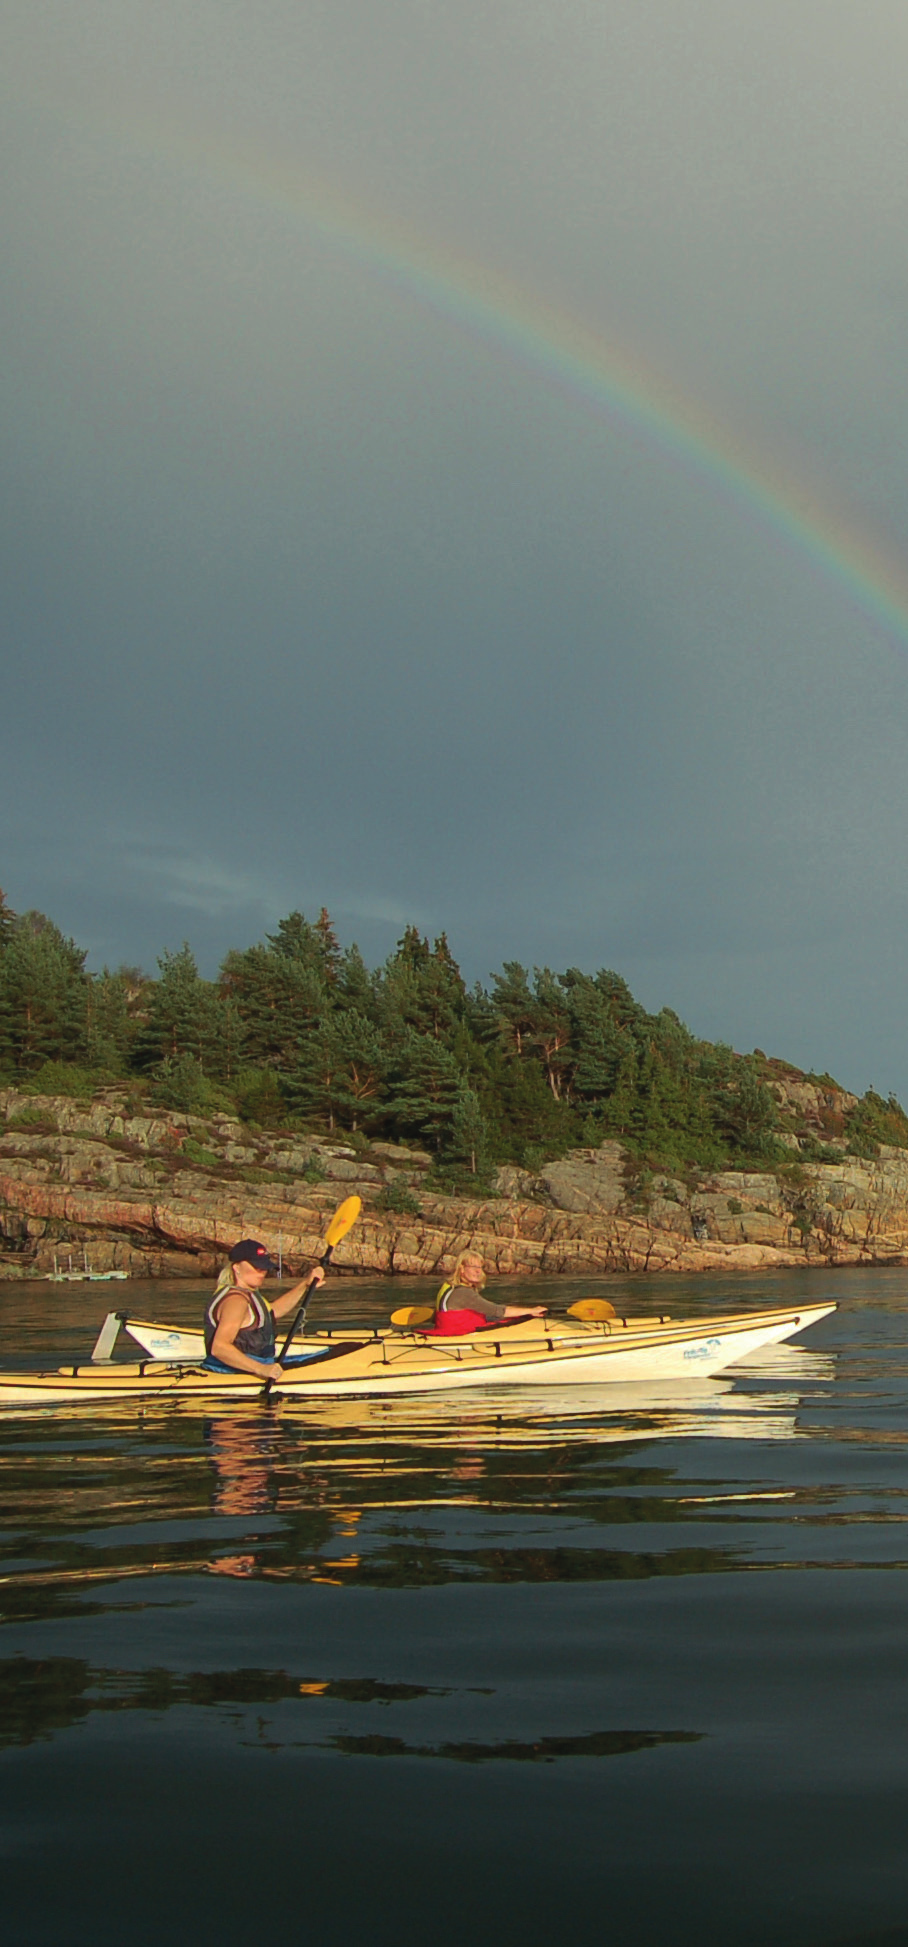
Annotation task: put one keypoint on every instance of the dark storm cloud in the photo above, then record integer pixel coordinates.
(312, 598)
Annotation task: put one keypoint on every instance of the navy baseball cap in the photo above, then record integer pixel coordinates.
(248, 1251)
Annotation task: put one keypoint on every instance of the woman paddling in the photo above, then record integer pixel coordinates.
(239, 1325)
(461, 1305)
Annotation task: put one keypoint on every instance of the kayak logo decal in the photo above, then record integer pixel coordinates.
(706, 1349)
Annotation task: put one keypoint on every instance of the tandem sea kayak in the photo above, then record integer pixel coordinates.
(399, 1359)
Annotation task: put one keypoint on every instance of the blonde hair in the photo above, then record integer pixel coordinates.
(225, 1279)
(464, 1258)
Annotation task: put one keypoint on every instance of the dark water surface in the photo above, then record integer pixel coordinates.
(558, 1666)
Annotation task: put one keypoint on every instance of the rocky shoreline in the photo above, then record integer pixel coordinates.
(163, 1195)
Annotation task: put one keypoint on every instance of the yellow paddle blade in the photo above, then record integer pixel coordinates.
(412, 1315)
(592, 1308)
(343, 1220)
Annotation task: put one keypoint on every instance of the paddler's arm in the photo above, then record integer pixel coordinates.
(476, 1301)
(288, 1300)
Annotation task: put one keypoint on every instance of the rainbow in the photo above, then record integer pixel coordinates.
(552, 345)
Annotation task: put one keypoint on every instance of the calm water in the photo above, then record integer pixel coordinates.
(526, 1668)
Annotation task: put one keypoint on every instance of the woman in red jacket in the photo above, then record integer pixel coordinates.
(462, 1307)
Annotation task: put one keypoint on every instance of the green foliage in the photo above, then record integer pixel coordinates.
(7, 922)
(424, 1088)
(185, 1021)
(814, 1151)
(876, 1121)
(66, 1078)
(277, 996)
(114, 1016)
(259, 1098)
(180, 1082)
(29, 1119)
(745, 1109)
(469, 1139)
(398, 1198)
(197, 1153)
(42, 995)
(420, 989)
(340, 1071)
(314, 947)
(297, 1031)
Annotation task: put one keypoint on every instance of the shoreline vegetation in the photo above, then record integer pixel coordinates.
(548, 1118)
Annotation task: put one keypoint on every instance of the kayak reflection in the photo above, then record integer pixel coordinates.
(425, 1435)
(723, 1408)
(404, 1493)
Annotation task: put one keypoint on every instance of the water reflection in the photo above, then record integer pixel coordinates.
(559, 1415)
(39, 1699)
(546, 1624)
(545, 1750)
(534, 1487)
(243, 1451)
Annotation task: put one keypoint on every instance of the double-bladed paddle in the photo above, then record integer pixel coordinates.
(343, 1220)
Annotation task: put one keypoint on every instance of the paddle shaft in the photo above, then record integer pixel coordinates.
(300, 1313)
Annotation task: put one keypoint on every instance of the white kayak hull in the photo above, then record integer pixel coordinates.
(392, 1363)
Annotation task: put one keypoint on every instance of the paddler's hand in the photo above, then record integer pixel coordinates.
(276, 1371)
(316, 1276)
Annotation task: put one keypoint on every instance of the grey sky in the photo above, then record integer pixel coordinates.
(311, 597)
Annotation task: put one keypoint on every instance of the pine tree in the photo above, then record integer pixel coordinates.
(513, 1004)
(469, 1140)
(7, 922)
(423, 1090)
(421, 988)
(443, 991)
(354, 987)
(550, 1031)
(362, 1067)
(340, 1071)
(311, 1080)
(278, 996)
(185, 1015)
(314, 947)
(110, 1029)
(329, 947)
(42, 995)
(747, 1111)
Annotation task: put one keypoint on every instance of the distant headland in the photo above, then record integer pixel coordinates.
(548, 1117)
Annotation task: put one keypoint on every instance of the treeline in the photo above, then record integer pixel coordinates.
(298, 1030)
